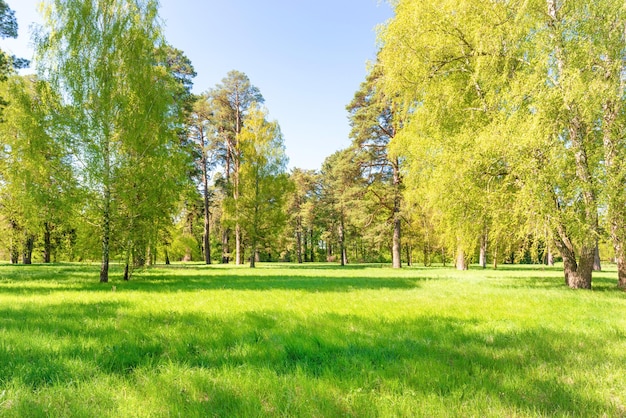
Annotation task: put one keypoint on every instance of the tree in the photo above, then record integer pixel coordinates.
(539, 85)
(374, 125)
(104, 57)
(231, 100)
(342, 186)
(203, 134)
(8, 29)
(37, 181)
(300, 211)
(264, 184)
(444, 64)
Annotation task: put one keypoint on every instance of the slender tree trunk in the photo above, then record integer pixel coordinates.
(167, 257)
(597, 263)
(14, 244)
(206, 237)
(409, 261)
(27, 256)
(397, 221)
(253, 254)
(237, 244)
(342, 242)
(460, 259)
(396, 251)
(106, 232)
(299, 245)
(550, 257)
(47, 243)
(483, 251)
(127, 265)
(312, 257)
(305, 241)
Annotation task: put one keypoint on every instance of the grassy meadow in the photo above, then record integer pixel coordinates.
(314, 340)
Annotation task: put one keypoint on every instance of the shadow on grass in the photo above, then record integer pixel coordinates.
(534, 372)
(600, 283)
(47, 279)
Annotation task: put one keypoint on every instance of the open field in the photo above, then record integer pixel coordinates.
(317, 340)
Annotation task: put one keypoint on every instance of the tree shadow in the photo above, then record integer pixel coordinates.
(53, 278)
(528, 371)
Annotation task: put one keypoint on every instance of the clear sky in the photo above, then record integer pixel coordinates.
(307, 57)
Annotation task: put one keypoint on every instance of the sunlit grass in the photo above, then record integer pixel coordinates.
(320, 340)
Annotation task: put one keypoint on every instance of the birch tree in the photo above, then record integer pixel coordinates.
(102, 57)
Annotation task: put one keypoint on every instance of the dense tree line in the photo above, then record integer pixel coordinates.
(483, 132)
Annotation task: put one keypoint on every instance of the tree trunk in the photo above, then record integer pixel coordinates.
(396, 252)
(342, 243)
(237, 244)
(577, 272)
(597, 264)
(299, 246)
(206, 237)
(312, 257)
(14, 242)
(409, 261)
(616, 182)
(305, 245)
(47, 243)
(27, 256)
(253, 255)
(106, 210)
(167, 257)
(550, 259)
(460, 259)
(483, 251)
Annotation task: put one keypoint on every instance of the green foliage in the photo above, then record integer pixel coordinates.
(120, 83)
(311, 340)
(511, 116)
(263, 183)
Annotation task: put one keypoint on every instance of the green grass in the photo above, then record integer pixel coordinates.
(320, 340)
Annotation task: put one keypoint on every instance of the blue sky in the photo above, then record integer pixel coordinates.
(307, 57)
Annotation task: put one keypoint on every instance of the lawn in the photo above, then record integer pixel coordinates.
(314, 340)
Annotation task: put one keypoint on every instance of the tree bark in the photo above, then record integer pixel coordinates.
(397, 245)
(577, 272)
(597, 263)
(299, 245)
(305, 244)
(615, 191)
(47, 243)
(342, 243)
(106, 235)
(460, 259)
(409, 260)
(550, 259)
(206, 239)
(312, 257)
(483, 251)
(27, 256)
